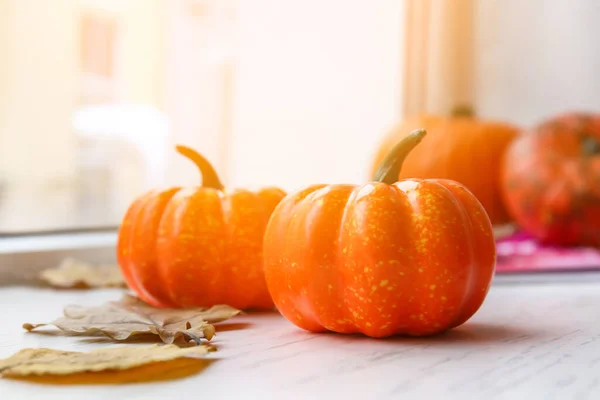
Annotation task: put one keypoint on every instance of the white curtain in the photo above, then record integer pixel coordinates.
(438, 56)
(314, 85)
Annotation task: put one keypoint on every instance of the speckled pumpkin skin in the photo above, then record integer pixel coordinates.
(551, 180)
(416, 257)
(197, 247)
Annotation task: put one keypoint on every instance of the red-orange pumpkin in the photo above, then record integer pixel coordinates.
(413, 257)
(551, 180)
(459, 148)
(198, 246)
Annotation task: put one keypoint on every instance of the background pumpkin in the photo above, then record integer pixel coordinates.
(460, 148)
(197, 246)
(551, 180)
(415, 257)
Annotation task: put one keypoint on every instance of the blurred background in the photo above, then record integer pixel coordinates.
(94, 94)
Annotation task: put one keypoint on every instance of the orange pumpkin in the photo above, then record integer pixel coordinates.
(551, 180)
(460, 148)
(414, 257)
(197, 246)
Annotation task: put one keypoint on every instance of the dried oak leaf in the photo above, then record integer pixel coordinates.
(72, 273)
(32, 363)
(132, 317)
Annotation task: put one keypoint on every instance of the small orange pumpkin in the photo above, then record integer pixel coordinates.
(412, 257)
(197, 246)
(460, 148)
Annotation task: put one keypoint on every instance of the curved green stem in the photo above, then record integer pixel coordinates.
(210, 178)
(389, 170)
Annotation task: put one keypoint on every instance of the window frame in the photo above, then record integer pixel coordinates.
(24, 256)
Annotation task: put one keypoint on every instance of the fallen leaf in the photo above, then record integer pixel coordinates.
(502, 231)
(114, 365)
(72, 273)
(131, 317)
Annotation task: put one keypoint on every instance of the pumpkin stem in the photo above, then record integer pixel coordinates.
(463, 111)
(210, 179)
(591, 146)
(389, 170)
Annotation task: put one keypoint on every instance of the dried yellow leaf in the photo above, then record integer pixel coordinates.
(131, 317)
(84, 365)
(72, 273)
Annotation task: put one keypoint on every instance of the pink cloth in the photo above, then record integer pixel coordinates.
(521, 253)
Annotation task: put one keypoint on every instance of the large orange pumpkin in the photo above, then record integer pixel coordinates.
(460, 148)
(414, 257)
(551, 180)
(197, 246)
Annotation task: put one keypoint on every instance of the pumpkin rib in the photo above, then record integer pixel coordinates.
(135, 244)
(326, 252)
(275, 224)
(146, 233)
(406, 191)
(241, 208)
(299, 252)
(342, 254)
(403, 197)
(282, 242)
(403, 207)
(403, 189)
(228, 269)
(433, 194)
(470, 282)
(484, 254)
(125, 239)
(306, 228)
(191, 241)
(346, 238)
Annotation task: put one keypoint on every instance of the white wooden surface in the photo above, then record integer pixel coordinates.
(536, 341)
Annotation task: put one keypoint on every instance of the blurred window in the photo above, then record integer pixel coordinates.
(94, 94)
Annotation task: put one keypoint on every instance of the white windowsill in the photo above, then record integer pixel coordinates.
(21, 258)
(57, 242)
